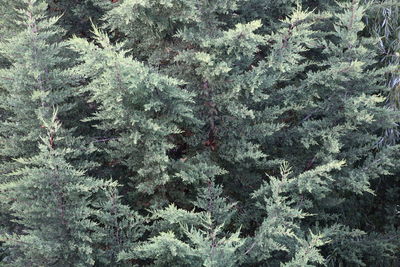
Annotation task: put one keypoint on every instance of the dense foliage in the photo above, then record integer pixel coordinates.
(199, 133)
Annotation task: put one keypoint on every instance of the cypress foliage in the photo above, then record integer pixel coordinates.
(281, 229)
(189, 238)
(51, 202)
(120, 228)
(242, 133)
(34, 82)
(34, 79)
(66, 218)
(139, 112)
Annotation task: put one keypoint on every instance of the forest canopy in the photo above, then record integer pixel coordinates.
(199, 133)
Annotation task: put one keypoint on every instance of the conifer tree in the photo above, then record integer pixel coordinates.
(34, 82)
(260, 107)
(189, 238)
(51, 201)
(280, 230)
(120, 228)
(65, 217)
(34, 79)
(342, 121)
(234, 88)
(139, 112)
(198, 108)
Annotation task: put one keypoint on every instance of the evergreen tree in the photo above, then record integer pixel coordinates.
(189, 238)
(260, 107)
(197, 108)
(120, 228)
(139, 112)
(34, 82)
(52, 202)
(35, 79)
(66, 218)
(281, 231)
(342, 120)
(216, 66)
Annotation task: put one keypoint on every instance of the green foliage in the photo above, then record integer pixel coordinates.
(31, 83)
(120, 227)
(51, 202)
(65, 217)
(197, 109)
(34, 82)
(281, 228)
(198, 238)
(141, 108)
(76, 14)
